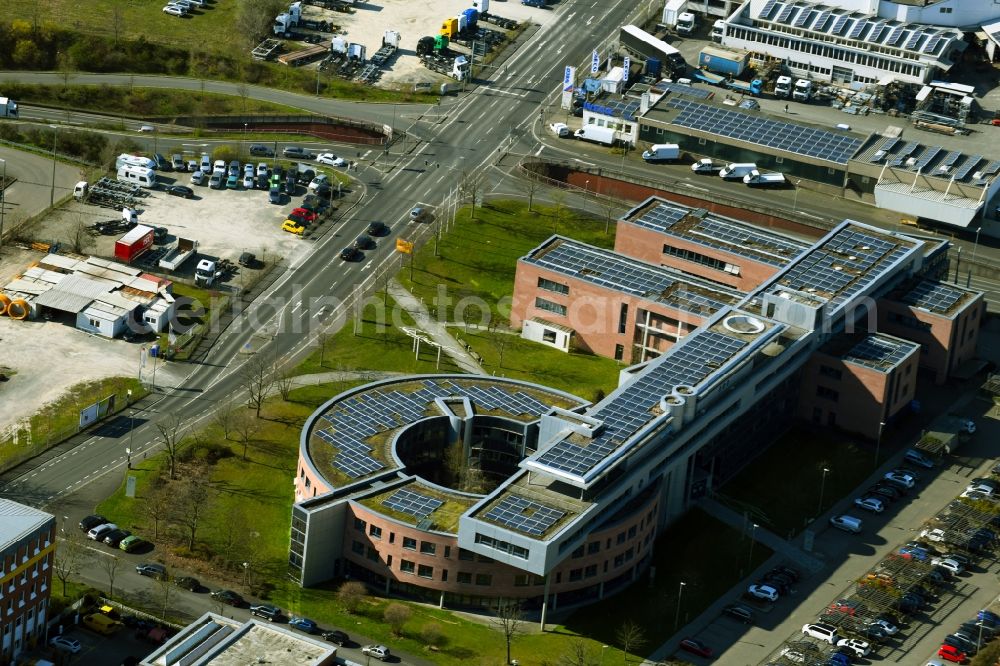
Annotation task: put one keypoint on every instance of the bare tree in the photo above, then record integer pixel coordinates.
(350, 595)
(509, 621)
(234, 527)
(164, 589)
(170, 436)
(191, 508)
(256, 378)
(499, 338)
(254, 17)
(559, 199)
(321, 341)
(471, 189)
(284, 380)
(631, 637)
(69, 558)
(578, 655)
(222, 417)
(80, 239)
(246, 426)
(432, 634)
(530, 184)
(117, 22)
(109, 564)
(157, 507)
(396, 615)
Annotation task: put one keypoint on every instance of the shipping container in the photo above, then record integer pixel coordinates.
(133, 244)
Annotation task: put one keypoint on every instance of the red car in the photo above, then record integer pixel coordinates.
(696, 646)
(303, 215)
(845, 606)
(951, 653)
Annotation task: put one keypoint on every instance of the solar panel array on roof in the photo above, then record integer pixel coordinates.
(820, 23)
(786, 12)
(412, 503)
(876, 32)
(933, 42)
(684, 89)
(359, 417)
(895, 36)
(880, 352)
(950, 159)
(968, 166)
(524, 515)
(687, 363)
(765, 12)
(915, 37)
(839, 24)
(933, 297)
(859, 26)
(842, 266)
(928, 154)
(903, 154)
(661, 218)
(725, 236)
(985, 174)
(820, 144)
(804, 16)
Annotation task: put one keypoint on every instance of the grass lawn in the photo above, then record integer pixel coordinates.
(205, 306)
(61, 418)
(709, 557)
(797, 461)
(478, 257)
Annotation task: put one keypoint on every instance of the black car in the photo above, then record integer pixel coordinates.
(114, 537)
(161, 162)
(266, 611)
(378, 229)
(336, 636)
(260, 150)
(364, 242)
(788, 571)
(93, 521)
(898, 491)
(160, 235)
(263, 181)
(739, 612)
(152, 570)
(884, 492)
(296, 152)
(351, 254)
(181, 191)
(229, 597)
(188, 583)
(248, 260)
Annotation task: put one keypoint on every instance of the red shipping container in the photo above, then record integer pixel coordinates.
(134, 243)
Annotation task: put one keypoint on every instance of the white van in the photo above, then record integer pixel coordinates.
(847, 523)
(662, 152)
(141, 176)
(736, 171)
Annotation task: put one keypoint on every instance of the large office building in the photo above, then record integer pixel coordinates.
(465, 489)
(27, 545)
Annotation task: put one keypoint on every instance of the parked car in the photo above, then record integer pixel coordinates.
(765, 592)
(197, 177)
(229, 597)
(950, 565)
(173, 10)
(739, 612)
(260, 150)
(65, 644)
(847, 606)
(115, 537)
(233, 183)
(181, 191)
(263, 170)
(380, 652)
(131, 543)
(293, 227)
(336, 636)
(821, 631)
(873, 504)
(694, 646)
(303, 624)
(331, 160)
(919, 458)
(99, 532)
(152, 570)
(177, 162)
(92, 521)
(274, 195)
(206, 163)
(248, 182)
(905, 480)
(295, 152)
(192, 165)
(302, 215)
(933, 534)
(188, 583)
(859, 647)
(216, 182)
(234, 168)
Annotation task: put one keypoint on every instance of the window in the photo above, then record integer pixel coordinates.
(375, 531)
(827, 394)
(392, 537)
(427, 548)
(779, 160)
(372, 554)
(522, 580)
(409, 544)
(308, 483)
(549, 306)
(359, 524)
(407, 566)
(464, 577)
(358, 547)
(484, 579)
(575, 575)
(425, 571)
(590, 571)
(549, 285)
(388, 561)
(620, 539)
(702, 259)
(619, 560)
(444, 574)
(619, 352)
(447, 551)
(946, 10)
(578, 552)
(832, 373)
(549, 336)
(701, 141)
(631, 532)
(464, 554)
(623, 318)
(593, 547)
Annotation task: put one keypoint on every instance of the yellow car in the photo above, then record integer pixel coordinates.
(294, 227)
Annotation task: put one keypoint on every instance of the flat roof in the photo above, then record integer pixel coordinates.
(699, 226)
(854, 29)
(880, 352)
(937, 297)
(929, 160)
(19, 520)
(618, 273)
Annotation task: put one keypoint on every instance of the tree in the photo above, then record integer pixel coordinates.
(396, 615)
(117, 22)
(164, 589)
(499, 338)
(254, 17)
(630, 637)
(559, 199)
(223, 417)
(470, 189)
(432, 634)
(69, 558)
(321, 341)
(157, 507)
(109, 564)
(509, 621)
(988, 656)
(191, 507)
(284, 380)
(171, 438)
(350, 595)
(578, 655)
(531, 185)
(246, 426)
(234, 527)
(80, 240)
(256, 378)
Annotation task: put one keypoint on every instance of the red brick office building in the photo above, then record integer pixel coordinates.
(27, 545)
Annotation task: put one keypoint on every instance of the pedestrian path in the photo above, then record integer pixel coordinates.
(435, 329)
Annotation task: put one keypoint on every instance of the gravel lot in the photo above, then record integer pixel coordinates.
(414, 20)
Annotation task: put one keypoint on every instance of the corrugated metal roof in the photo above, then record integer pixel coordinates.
(63, 301)
(73, 293)
(19, 520)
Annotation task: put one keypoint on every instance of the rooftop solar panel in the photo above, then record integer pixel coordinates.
(858, 28)
(785, 13)
(895, 35)
(950, 159)
(765, 12)
(820, 23)
(933, 42)
(803, 18)
(412, 503)
(812, 142)
(880, 352)
(968, 166)
(524, 515)
(928, 154)
(839, 25)
(915, 37)
(876, 32)
(683, 89)
(933, 297)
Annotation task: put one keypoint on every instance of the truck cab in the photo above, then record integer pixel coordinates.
(718, 31)
(686, 23)
(802, 91)
(783, 87)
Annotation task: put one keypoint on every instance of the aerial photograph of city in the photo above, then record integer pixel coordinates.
(499, 332)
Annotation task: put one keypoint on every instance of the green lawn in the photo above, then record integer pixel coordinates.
(478, 257)
(709, 557)
(205, 304)
(797, 459)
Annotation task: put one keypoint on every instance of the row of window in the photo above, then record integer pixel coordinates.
(503, 546)
(549, 306)
(698, 258)
(549, 285)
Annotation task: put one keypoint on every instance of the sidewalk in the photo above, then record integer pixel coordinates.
(436, 330)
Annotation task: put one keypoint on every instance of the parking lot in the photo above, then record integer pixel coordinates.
(875, 573)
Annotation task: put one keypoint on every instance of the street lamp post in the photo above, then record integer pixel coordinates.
(795, 197)
(822, 487)
(128, 457)
(974, 247)
(603, 648)
(753, 540)
(52, 191)
(878, 442)
(677, 615)
(3, 198)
